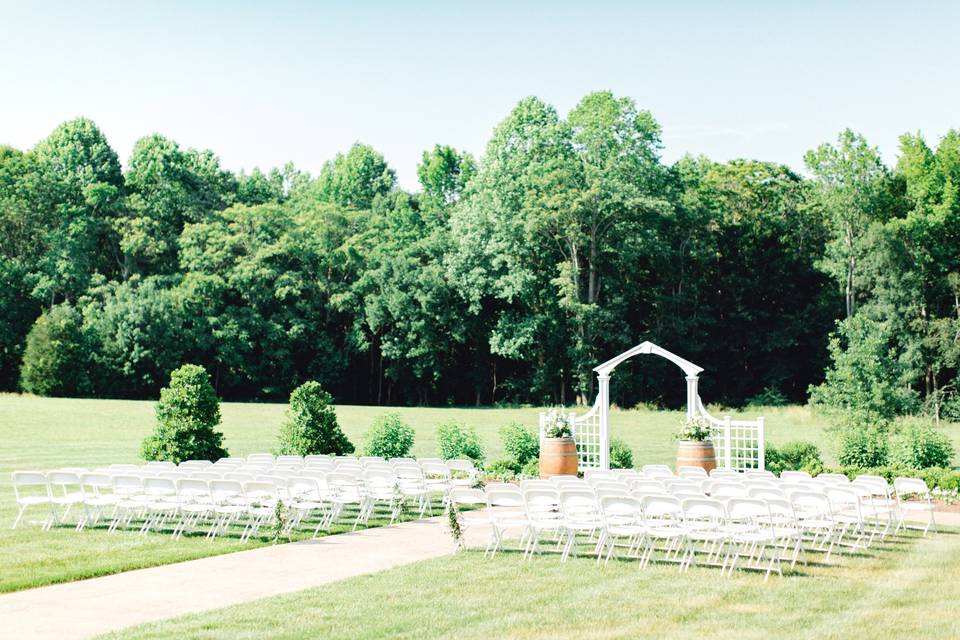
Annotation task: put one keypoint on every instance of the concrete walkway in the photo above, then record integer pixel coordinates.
(87, 608)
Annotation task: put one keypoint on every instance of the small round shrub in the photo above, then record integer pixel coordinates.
(56, 355)
(187, 415)
(864, 445)
(503, 470)
(920, 446)
(520, 442)
(311, 426)
(794, 456)
(621, 457)
(457, 440)
(389, 437)
(531, 469)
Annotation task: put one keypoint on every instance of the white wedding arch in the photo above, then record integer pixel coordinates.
(738, 443)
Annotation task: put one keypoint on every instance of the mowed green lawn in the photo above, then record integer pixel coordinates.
(45, 433)
(907, 588)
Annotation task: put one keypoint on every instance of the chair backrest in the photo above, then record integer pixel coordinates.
(193, 488)
(809, 503)
(467, 495)
(460, 464)
(159, 486)
(579, 505)
(704, 511)
(620, 507)
(157, 465)
(610, 491)
(759, 473)
(906, 487)
(684, 471)
(303, 486)
(194, 464)
(541, 500)
(656, 472)
(843, 498)
(646, 484)
(22, 479)
(794, 475)
(502, 494)
(261, 490)
(660, 507)
(127, 484)
(435, 469)
(720, 474)
(402, 460)
(124, 467)
(367, 459)
(728, 490)
(241, 477)
(379, 476)
(290, 459)
(206, 475)
(63, 478)
(226, 489)
(765, 493)
(96, 481)
(260, 458)
(533, 483)
(833, 478)
(748, 510)
(318, 457)
(316, 474)
(599, 475)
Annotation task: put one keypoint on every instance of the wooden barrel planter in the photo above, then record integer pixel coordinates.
(696, 453)
(558, 457)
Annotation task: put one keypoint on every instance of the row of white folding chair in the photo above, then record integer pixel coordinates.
(539, 508)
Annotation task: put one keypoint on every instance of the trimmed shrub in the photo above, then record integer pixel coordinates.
(794, 456)
(531, 469)
(935, 477)
(864, 445)
(56, 355)
(621, 457)
(457, 440)
(311, 426)
(520, 442)
(187, 415)
(920, 446)
(389, 437)
(503, 470)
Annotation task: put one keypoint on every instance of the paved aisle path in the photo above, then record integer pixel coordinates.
(86, 608)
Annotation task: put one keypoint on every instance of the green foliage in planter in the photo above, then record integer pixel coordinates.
(389, 437)
(920, 446)
(621, 457)
(56, 355)
(311, 426)
(187, 415)
(457, 440)
(520, 442)
(794, 456)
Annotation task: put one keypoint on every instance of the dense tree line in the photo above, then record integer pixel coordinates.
(503, 279)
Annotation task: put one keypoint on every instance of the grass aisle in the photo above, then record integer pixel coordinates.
(908, 590)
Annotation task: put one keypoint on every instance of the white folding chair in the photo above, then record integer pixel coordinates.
(622, 520)
(196, 504)
(65, 492)
(31, 489)
(161, 503)
(581, 516)
(97, 490)
(913, 496)
(506, 511)
(752, 534)
(542, 507)
(662, 523)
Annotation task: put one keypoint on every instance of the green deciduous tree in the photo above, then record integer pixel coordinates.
(55, 360)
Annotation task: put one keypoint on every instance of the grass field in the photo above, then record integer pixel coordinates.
(45, 433)
(902, 589)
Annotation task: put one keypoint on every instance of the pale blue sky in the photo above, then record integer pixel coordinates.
(267, 82)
